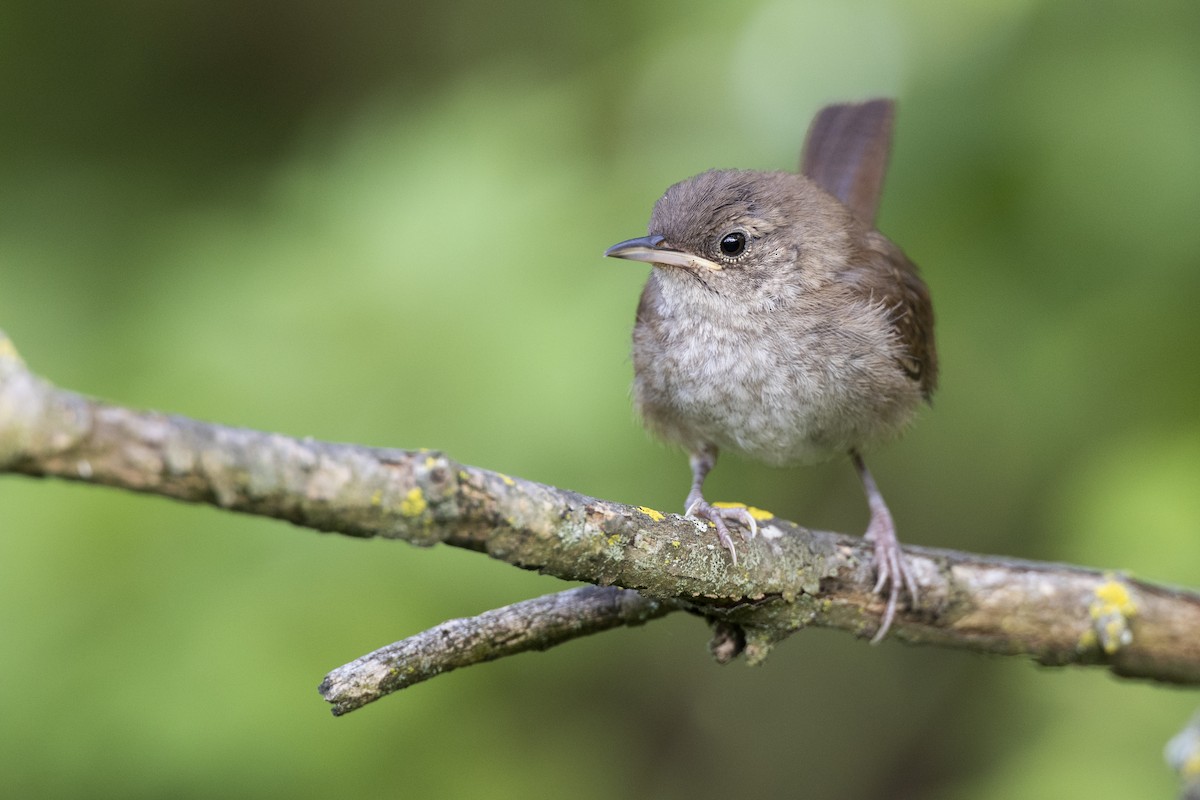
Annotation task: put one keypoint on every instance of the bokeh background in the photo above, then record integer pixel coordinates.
(383, 223)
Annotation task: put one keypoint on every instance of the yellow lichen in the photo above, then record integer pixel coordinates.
(413, 504)
(507, 480)
(758, 513)
(377, 498)
(430, 462)
(657, 516)
(1111, 611)
(1114, 594)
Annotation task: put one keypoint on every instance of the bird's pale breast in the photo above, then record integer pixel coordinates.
(784, 386)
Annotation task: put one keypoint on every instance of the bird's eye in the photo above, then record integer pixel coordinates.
(733, 244)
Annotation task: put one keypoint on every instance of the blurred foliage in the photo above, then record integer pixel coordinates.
(382, 223)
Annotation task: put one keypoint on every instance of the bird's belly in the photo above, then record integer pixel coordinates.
(781, 399)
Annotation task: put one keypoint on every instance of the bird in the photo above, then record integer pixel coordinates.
(779, 324)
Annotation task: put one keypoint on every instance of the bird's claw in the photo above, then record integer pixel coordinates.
(893, 573)
(718, 516)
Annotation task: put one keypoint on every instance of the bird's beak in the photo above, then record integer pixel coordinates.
(652, 250)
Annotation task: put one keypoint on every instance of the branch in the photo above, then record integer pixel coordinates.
(787, 579)
(1183, 756)
(530, 625)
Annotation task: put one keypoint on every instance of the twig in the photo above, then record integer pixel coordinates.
(1182, 754)
(536, 624)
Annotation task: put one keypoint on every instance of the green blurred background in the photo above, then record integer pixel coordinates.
(383, 223)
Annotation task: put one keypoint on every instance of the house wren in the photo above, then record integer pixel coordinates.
(779, 324)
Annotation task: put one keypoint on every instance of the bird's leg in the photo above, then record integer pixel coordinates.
(891, 567)
(697, 507)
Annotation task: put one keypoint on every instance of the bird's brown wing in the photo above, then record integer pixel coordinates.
(896, 283)
(846, 153)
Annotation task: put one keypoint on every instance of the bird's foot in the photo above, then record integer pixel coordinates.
(894, 574)
(702, 510)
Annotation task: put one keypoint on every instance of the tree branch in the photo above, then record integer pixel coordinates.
(1182, 754)
(787, 579)
(536, 624)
